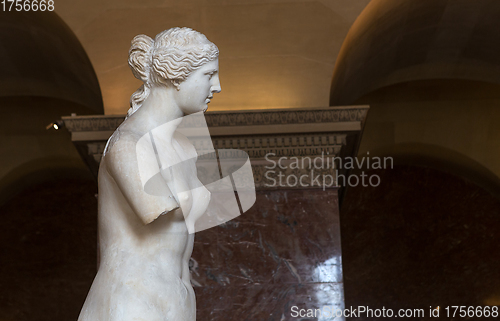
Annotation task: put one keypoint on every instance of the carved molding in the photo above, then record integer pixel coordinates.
(303, 133)
(237, 119)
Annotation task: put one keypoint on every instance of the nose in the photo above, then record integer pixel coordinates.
(215, 88)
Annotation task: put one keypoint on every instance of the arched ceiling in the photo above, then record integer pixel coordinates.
(399, 41)
(273, 53)
(41, 57)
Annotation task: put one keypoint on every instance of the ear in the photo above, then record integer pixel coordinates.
(176, 83)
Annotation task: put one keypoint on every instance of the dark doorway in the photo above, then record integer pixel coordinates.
(422, 238)
(48, 235)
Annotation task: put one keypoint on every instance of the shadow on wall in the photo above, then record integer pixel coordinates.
(49, 170)
(42, 57)
(401, 41)
(45, 74)
(436, 158)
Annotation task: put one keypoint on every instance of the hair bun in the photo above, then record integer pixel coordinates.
(168, 60)
(139, 57)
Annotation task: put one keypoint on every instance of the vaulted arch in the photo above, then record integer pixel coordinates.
(399, 41)
(41, 57)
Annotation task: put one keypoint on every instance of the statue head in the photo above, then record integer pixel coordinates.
(167, 60)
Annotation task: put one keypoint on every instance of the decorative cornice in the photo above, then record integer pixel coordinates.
(92, 123)
(287, 116)
(262, 134)
(237, 118)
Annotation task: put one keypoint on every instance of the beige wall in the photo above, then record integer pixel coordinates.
(273, 53)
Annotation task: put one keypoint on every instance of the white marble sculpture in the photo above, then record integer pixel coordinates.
(144, 243)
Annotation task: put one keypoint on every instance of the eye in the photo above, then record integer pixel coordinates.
(210, 74)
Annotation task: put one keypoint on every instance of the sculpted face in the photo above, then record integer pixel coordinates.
(196, 91)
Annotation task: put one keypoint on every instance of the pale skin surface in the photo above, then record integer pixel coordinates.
(144, 243)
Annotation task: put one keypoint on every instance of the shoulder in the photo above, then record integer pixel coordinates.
(121, 146)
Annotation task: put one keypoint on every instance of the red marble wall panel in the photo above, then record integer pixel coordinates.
(284, 252)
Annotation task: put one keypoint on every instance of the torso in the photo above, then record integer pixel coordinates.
(143, 272)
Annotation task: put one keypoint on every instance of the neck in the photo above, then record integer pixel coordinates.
(158, 109)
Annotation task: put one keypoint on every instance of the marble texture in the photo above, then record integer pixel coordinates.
(284, 252)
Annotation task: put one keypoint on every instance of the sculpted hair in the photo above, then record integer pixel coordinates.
(167, 60)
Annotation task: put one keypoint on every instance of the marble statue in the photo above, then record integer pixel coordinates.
(144, 243)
